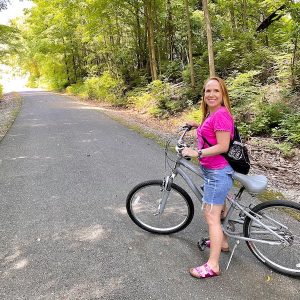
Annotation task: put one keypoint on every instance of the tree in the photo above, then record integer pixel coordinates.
(3, 4)
(209, 39)
(190, 46)
(149, 13)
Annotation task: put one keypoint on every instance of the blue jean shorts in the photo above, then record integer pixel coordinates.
(217, 184)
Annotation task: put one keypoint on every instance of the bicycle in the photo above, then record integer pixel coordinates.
(270, 229)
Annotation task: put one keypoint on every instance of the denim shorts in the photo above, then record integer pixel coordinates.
(217, 183)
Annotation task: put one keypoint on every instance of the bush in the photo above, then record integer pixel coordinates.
(162, 99)
(270, 116)
(77, 89)
(1, 90)
(172, 71)
(243, 88)
(288, 129)
(105, 88)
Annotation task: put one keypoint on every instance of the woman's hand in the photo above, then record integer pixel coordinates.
(189, 152)
(192, 123)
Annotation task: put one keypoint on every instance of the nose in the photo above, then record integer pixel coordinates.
(211, 93)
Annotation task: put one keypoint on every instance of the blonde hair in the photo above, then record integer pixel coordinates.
(225, 97)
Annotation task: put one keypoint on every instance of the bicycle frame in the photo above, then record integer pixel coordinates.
(178, 169)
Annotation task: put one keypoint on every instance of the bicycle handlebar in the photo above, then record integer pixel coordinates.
(180, 143)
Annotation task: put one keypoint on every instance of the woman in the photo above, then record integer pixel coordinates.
(217, 128)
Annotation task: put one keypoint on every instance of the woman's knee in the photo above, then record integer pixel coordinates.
(212, 214)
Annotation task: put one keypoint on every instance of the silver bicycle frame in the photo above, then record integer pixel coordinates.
(198, 193)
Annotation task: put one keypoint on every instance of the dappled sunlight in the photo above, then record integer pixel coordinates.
(121, 210)
(28, 157)
(21, 264)
(93, 290)
(14, 261)
(92, 233)
(88, 107)
(12, 257)
(89, 140)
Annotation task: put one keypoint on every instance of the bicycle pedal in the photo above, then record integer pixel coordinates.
(202, 244)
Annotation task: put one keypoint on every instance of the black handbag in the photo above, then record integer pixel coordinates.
(237, 154)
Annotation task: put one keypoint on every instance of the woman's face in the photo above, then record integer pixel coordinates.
(213, 95)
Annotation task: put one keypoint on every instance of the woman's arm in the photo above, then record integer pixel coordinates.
(222, 146)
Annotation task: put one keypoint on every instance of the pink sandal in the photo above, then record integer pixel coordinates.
(223, 249)
(204, 271)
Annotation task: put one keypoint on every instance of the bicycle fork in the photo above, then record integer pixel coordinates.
(166, 189)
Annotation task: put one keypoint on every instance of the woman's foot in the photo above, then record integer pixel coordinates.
(204, 271)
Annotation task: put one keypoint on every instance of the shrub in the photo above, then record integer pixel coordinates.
(269, 117)
(243, 88)
(172, 71)
(1, 90)
(77, 89)
(161, 99)
(288, 129)
(105, 88)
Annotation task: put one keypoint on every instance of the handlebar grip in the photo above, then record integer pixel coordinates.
(188, 127)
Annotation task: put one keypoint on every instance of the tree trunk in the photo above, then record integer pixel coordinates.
(169, 31)
(66, 61)
(139, 50)
(151, 44)
(294, 61)
(232, 15)
(244, 14)
(211, 59)
(189, 34)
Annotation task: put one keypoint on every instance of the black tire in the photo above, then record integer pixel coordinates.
(284, 259)
(142, 203)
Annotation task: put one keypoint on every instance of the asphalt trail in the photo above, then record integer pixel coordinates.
(65, 171)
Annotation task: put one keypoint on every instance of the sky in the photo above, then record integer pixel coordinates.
(9, 81)
(15, 9)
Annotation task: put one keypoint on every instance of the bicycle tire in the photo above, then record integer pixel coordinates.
(142, 203)
(284, 259)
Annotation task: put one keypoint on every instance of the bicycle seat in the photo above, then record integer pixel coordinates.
(252, 183)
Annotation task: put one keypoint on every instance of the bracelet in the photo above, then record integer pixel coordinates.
(199, 154)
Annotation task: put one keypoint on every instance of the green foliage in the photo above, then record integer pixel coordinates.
(270, 116)
(286, 148)
(172, 71)
(244, 88)
(1, 90)
(77, 89)
(288, 129)
(105, 88)
(194, 114)
(162, 99)
(99, 49)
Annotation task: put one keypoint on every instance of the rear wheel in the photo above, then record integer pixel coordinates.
(143, 202)
(283, 217)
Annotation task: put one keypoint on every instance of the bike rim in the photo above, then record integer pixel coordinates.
(145, 204)
(285, 221)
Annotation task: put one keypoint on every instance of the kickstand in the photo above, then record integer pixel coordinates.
(236, 244)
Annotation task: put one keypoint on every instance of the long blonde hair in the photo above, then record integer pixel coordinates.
(225, 96)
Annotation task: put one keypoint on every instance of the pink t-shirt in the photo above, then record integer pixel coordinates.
(220, 120)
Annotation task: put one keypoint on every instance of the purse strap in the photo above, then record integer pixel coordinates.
(236, 135)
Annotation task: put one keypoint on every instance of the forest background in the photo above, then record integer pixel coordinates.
(154, 55)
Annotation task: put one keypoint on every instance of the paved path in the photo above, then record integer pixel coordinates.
(65, 171)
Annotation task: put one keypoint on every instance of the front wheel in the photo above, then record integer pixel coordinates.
(280, 254)
(143, 204)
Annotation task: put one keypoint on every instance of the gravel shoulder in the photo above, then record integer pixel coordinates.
(10, 105)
